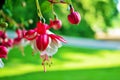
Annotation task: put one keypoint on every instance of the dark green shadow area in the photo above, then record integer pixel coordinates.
(87, 74)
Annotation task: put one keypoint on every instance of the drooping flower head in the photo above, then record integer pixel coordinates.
(74, 17)
(7, 42)
(55, 24)
(4, 40)
(20, 35)
(44, 41)
(19, 40)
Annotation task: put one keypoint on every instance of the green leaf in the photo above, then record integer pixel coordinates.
(46, 7)
(68, 1)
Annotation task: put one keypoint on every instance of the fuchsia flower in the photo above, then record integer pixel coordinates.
(55, 24)
(74, 17)
(4, 40)
(19, 40)
(44, 41)
(3, 54)
(20, 35)
(5, 43)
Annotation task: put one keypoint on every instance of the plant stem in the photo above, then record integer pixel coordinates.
(53, 12)
(38, 9)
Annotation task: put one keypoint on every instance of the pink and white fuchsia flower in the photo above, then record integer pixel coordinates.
(3, 54)
(44, 41)
(20, 41)
(4, 40)
(5, 43)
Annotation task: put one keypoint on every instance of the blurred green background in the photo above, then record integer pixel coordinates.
(70, 62)
(97, 15)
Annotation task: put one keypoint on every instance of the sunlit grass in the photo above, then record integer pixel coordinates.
(67, 58)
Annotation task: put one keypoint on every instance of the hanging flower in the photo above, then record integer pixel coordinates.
(55, 24)
(4, 40)
(5, 43)
(20, 35)
(19, 40)
(3, 54)
(74, 17)
(44, 41)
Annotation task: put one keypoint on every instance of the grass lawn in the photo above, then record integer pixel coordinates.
(69, 63)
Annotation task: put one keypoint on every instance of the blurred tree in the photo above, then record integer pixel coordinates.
(96, 15)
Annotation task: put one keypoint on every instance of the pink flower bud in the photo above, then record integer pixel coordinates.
(55, 24)
(74, 17)
(3, 52)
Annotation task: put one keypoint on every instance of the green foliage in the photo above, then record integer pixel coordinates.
(99, 13)
(96, 14)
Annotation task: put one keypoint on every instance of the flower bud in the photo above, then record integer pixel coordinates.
(55, 24)
(74, 17)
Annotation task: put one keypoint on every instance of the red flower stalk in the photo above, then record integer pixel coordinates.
(74, 17)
